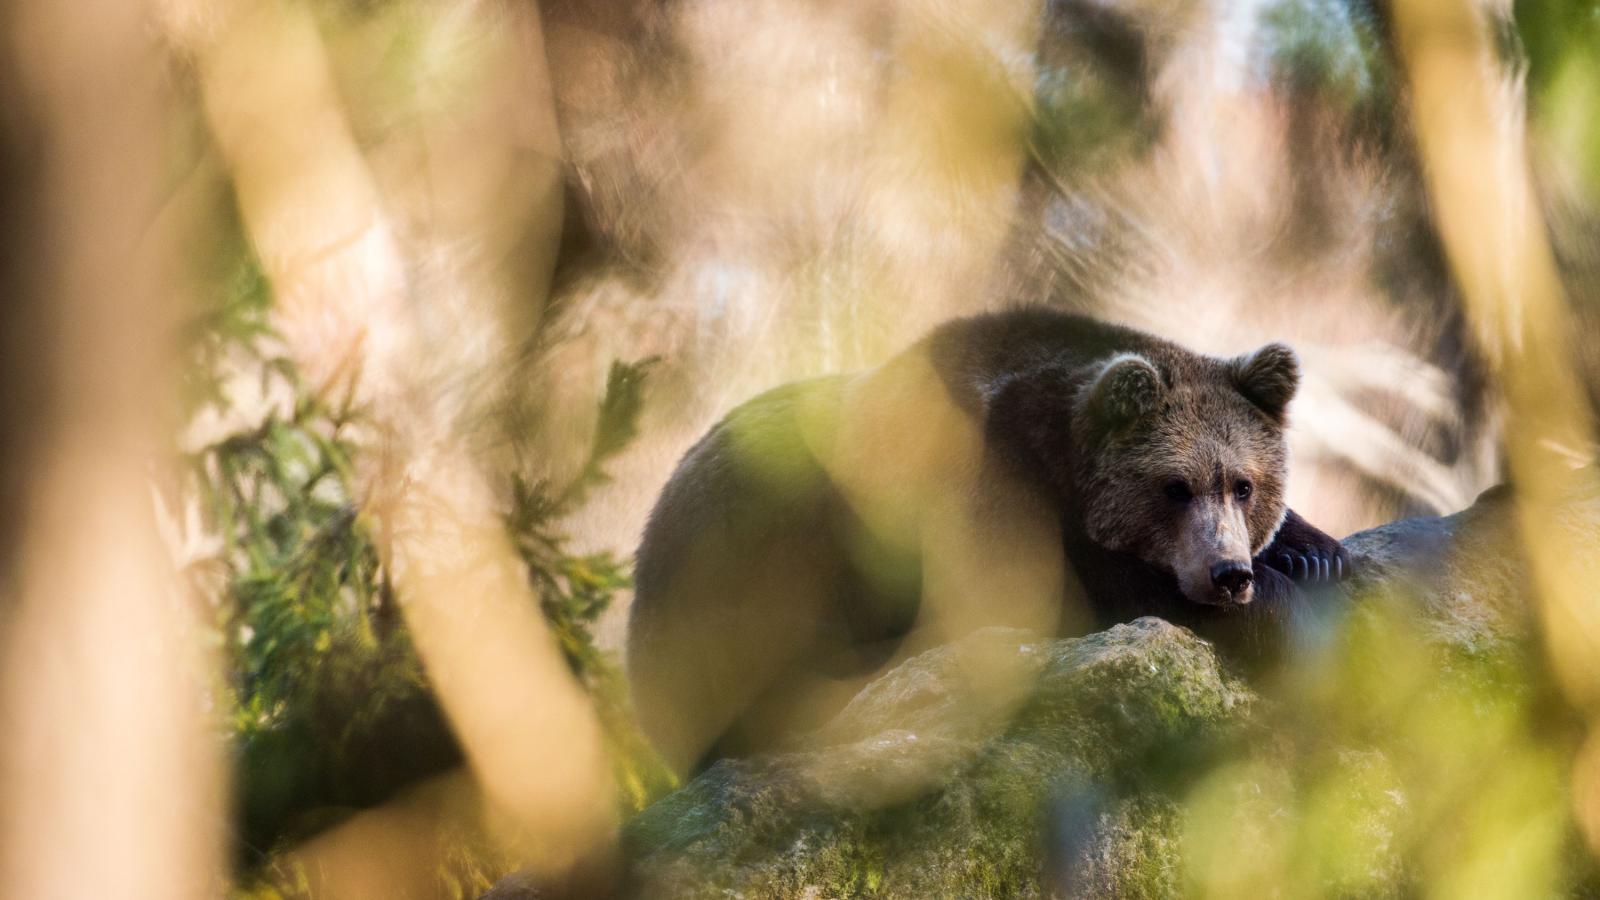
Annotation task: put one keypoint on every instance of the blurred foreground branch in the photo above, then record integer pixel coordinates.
(353, 316)
(109, 772)
(1469, 129)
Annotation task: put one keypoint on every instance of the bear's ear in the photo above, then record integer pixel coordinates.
(1128, 387)
(1268, 378)
(1028, 407)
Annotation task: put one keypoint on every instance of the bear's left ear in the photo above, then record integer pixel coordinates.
(1268, 378)
(1126, 388)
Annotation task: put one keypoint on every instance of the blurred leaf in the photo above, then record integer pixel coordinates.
(1561, 43)
(616, 426)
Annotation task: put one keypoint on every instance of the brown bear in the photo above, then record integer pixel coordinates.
(1029, 468)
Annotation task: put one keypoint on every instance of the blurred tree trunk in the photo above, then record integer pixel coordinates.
(109, 776)
(1469, 126)
(367, 307)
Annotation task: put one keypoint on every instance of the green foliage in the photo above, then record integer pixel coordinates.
(319, 671)
(619, 416)
(1561, 39)
(574, 590)
(329, 706)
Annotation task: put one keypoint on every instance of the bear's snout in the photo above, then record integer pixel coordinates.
(1233, 578)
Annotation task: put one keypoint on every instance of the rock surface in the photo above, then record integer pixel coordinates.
(966, 808)
(1132, 763)
(1464, 570)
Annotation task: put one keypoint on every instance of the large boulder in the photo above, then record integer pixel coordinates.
(1413, 742)
(1131, 763)
(1464, 572)
(921, 789)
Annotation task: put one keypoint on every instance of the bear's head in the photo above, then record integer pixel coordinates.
(1173, 457)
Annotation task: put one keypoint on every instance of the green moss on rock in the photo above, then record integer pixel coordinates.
(963, 804)
(1414, 745)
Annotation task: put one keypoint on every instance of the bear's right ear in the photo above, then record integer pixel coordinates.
(1268, 378)
(1127, 388)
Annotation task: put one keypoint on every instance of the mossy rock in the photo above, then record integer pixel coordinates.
(961, 797)
(1414, 738)
(1130, 763)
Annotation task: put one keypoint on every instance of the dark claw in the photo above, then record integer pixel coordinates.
(1307, 555)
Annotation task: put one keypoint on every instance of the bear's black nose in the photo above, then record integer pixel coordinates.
(1231, 576)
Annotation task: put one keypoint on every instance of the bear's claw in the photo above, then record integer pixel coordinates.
(1306, 554)
(1314, 566)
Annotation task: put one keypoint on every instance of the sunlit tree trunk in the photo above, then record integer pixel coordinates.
(109, 777)
(362, 314)
(1468, 123)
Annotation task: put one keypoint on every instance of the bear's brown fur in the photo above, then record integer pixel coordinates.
(1028, 468)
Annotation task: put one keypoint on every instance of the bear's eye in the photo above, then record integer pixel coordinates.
(1177, 491)
(1242, 491)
